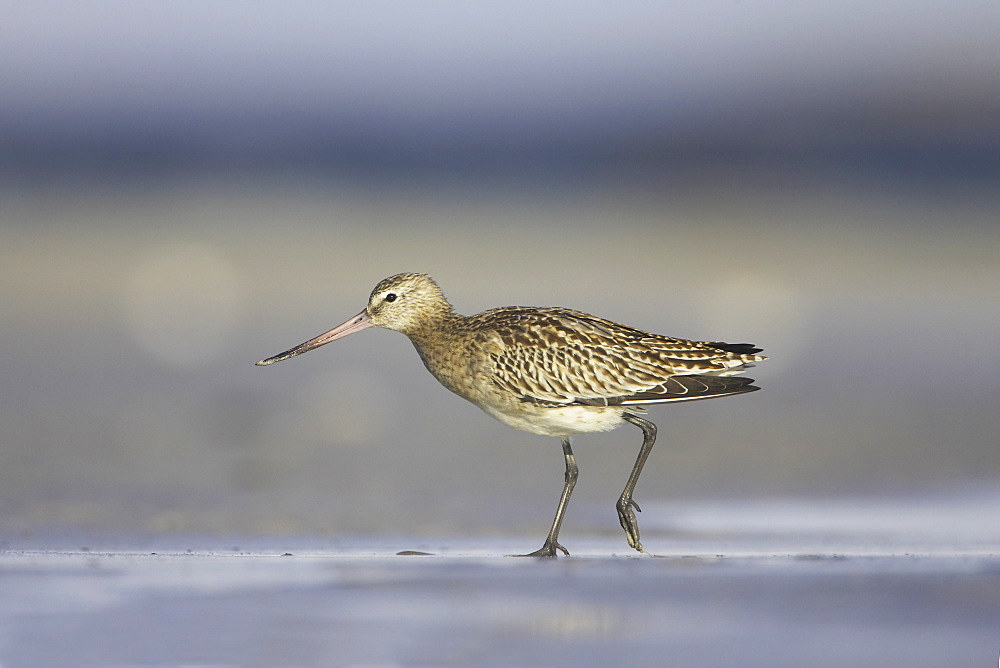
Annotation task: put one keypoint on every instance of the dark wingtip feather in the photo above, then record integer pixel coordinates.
(738, 348)
(690, 388)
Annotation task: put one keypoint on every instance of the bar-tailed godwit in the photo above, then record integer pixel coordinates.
(551, 371)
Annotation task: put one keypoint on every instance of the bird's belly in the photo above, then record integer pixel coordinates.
(560, 420)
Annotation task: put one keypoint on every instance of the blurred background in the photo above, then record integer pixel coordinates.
(188, 187)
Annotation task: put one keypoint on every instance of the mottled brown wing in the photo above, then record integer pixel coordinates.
(561, 356)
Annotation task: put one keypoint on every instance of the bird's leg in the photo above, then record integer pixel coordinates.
(625, 503)
(551, 547)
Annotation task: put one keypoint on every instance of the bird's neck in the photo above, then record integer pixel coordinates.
(442, 346)
(436, 331)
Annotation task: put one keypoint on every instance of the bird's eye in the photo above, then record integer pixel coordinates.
(391, 297)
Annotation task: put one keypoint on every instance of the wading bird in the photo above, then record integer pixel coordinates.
(551, 371)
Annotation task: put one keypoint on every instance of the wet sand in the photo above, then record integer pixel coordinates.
(744, 600)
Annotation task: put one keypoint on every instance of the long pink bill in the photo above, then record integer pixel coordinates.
(355, 324)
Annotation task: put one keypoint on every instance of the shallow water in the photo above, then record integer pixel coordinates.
(795, 594)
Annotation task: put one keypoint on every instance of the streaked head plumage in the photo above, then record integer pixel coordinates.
(406, 302)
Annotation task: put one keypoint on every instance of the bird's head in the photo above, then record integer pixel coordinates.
(405, 303)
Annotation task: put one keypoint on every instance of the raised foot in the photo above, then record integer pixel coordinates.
(627, 519)
(549, 549)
